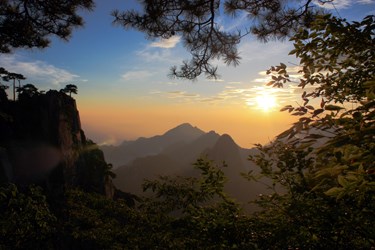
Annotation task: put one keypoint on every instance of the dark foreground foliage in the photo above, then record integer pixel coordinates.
(187, 213)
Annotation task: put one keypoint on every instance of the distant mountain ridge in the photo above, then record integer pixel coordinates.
(130, 150)
(174, 153)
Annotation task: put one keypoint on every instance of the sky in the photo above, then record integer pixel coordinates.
(124, 91)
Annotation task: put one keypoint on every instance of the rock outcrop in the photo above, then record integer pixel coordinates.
(41, 141)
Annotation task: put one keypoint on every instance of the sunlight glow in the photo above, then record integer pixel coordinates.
(266, 101)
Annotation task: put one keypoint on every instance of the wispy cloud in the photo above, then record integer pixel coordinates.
(179, 94)
(234, 24)
(188, 97)
(242, 93)
(247, 93)
(171, 83)
(152, 55)
(136, 75)
(343, 4)
(254, 51)
(166, 43)
(215, 80)
(38, 71)
(212, 99)
(234, 83)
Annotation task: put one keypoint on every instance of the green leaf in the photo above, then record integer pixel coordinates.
(335, 191)
(342, 181)
(317, 112)
(333, 107)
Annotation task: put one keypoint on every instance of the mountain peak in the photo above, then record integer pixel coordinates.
(226, 140)
(185, 125)
(185, 130)
(225, 145)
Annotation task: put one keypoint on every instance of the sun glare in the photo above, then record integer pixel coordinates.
(266, 101)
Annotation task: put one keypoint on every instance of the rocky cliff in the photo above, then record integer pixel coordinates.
(41, 141)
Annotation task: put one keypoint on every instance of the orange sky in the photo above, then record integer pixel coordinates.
(110, 122)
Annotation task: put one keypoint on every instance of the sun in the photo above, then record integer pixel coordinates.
(266, 101)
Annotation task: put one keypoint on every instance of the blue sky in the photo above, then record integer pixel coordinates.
(124, 91)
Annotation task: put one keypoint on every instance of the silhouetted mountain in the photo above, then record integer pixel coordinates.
(226, 150)
(131, 177)
(189, 152)
(127, 152)
(178, 159)
(184, 132)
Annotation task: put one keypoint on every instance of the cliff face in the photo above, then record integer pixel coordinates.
(41, 141)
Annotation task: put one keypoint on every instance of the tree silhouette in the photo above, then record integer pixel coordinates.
(28, 24)
(196, 23)
(3, 87)
(28, 90)
(70, 88)
(7, 76)
(3, 94)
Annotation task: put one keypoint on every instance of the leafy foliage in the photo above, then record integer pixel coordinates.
(93, 169)
(25, 218)
(7, 76)
(27, 91)
(196, 23)
(297, 214)
(197, 208)
(344, 74)
(89, 220)
(328, 191)
(70, 88)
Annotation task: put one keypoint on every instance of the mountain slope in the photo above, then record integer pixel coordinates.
(179, 160)
(129, 151)
(189, 152)
(131, 177)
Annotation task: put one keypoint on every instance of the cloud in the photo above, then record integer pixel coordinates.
(342, 4)
(171, 83)
(214, 80)
(166, 43)
(179, 94)
(187, 97)
(233, 25)
(255, 52)
(38, 71)
(136, 75)
(152, 55)
(212, 99)
(162, 52)
(244, 96)
(240, 92)
(247, 94)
